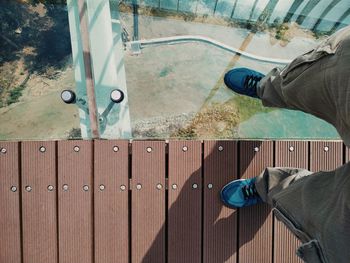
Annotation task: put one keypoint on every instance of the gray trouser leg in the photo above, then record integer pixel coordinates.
(314, 206)
(274, 180)
(302, 88)
(317, 83)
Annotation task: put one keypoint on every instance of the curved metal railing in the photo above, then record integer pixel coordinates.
(193, 38)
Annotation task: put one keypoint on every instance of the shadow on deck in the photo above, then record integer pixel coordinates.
(145, 201)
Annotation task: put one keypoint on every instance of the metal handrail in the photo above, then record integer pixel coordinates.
(207, 40)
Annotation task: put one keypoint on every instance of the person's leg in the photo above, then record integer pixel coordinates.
(317, 82)
(247, 192)
(274, 179)
(300, 86)
(269, 90)
(315, 207)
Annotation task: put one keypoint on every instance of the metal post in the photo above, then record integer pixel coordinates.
(108, 67)
(306, 11)
(292, 10)
(82, 67)
(90, 88)
(340, 20)
(136, 20)
(324, 13)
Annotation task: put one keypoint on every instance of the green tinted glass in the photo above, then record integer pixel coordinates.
(177, 52)
(153, 69)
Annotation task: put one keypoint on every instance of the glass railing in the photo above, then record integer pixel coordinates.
(177, 52)
(153, 68)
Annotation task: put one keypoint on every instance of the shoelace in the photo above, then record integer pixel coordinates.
(251, 82)
(249, 191)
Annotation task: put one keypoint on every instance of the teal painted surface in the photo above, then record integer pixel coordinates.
(169, 4)
(224, 8)
(151, 3)
(188, 5)
(206, 7)
(286, 124)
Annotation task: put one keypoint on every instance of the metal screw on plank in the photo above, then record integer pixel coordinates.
(149, 149)
(3, 150)
(174, 186)
(86, 188)
(195, 186)
(291, 148)
(159, 186)
(326, 148)
(50, 188)
(138, 186)
(115, 148)
(256, 149)
(13, 188)
(184, 149)
(42, 149)
(102, 187)
(123, 187)
(210, 186)
(28, 188)
(220, 148)
(76, 148)
(65, 187)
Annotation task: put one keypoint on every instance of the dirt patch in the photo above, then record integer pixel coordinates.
(284, 33)
(215, 121)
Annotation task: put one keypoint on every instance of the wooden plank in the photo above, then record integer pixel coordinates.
(288, 154)
(111, 201)
(148, 202)
(325, 155)
(10, 222)
(255, 222)
(39, 202)
(292, 154)
(75, 203)
(185, 202)
(220, 222)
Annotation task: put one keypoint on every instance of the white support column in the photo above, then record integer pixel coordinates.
(108, 69)
(78, 62)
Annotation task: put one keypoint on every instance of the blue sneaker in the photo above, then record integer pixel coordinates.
(240, 193)
(243, 81)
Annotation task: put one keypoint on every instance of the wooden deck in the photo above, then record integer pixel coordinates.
(145, 201)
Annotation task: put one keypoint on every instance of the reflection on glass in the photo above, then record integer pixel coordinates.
(177, 52)
(35, 66)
